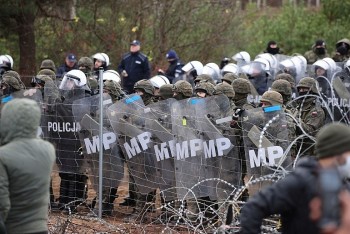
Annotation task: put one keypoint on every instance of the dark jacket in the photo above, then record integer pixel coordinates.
(137, 67)
(174, 70)
(63, 69)
(289, 197)
(25, 168)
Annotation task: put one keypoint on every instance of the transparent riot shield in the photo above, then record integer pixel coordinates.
(339, 99)
(127, 118)
(86, 112)
(158, 123)
(62, 131)
(265, 137)
(220, 153)
(189, 157)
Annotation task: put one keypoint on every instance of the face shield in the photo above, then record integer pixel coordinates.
(213, 71)
(69, 82)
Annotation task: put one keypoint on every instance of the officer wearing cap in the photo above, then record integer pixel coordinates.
(133, 67)
(70, 63)
(291, 196)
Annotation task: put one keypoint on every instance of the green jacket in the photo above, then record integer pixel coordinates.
(25, 168)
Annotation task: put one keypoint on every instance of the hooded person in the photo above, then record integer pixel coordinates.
(24, 186)
(291, 196)
(317, 52)
(174, 71)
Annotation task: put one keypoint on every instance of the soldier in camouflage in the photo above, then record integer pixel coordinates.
(285, 89)
(114, 89)
(145, 89)
(10, 83)
(342, 52)
(204, 78)
(241, 87)
(229, 78)
(182, 89)
(86, 65)
(48, 64)
(204, 89)
(165, 92)
(309, 114)
(228, 91)
(317, 52)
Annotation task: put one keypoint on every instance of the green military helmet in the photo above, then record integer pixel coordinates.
(282, 86)
(204, 77)
(15, 75)
(183, 87)
(145, 85)
(207, 87)
(225, 89)
(86, 62)
(229, 77)
(48, 72)
(272, 97)
(114, 89)
(44, 78)
(48, 64)
(11, 81)
(166, 91)
(241, 86)
(308, 82)
(287, 77)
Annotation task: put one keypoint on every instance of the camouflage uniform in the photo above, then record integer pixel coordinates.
(309, 114)
(312, 55)
(285, 89)
(342, 52)
(228, 91)
(86, 65)
(148, 91)
(114, 89)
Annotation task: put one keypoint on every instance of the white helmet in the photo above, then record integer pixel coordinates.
(6, 60)
(193, 65)
(230, 68)
(242, 56)
(213, 70)
(111, 75)
(273, 63)
(327, 64)
(102, 57)
(265, 63)
(159, 80)
(71, 78)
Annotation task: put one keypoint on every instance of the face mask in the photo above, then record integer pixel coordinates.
(344, 169)
(320, 50)
(273, 50)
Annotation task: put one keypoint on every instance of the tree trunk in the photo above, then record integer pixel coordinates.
(26, 41)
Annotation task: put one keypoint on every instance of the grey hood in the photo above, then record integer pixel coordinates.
(20, 118)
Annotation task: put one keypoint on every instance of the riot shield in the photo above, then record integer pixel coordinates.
(86, 112)
(190, 163)
(158, 123)
(221, 163)
(265, 137)
(62, 131)
(127, 118)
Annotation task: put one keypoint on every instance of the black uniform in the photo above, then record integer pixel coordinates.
(137, 67)
(174, 70)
